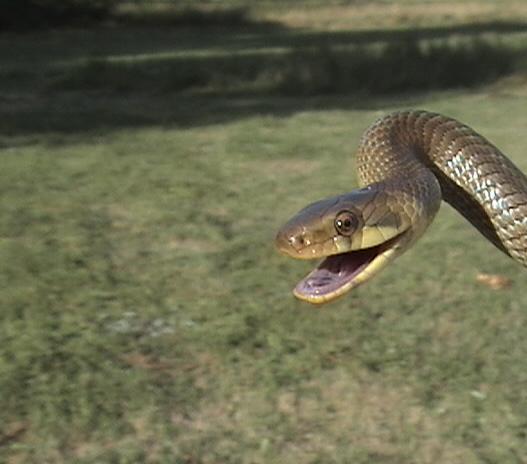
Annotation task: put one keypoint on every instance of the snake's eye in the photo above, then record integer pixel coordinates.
(345, 223)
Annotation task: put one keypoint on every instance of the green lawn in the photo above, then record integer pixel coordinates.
(145, 315)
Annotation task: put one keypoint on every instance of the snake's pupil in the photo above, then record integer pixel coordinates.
(344, 224)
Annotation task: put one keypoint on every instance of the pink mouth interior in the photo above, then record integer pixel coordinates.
(336, 271)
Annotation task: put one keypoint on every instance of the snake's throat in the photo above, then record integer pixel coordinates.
(332, 275)
(338, 274)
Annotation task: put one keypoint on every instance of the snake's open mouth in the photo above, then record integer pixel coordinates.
(338, 274)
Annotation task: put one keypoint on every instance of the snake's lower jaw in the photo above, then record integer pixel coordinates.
(338, 274)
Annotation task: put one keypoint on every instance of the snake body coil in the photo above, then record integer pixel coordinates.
(407, 162)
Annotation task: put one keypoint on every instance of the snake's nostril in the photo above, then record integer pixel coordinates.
(296, 241)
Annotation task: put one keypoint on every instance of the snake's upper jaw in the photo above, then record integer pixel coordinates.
(338, 274)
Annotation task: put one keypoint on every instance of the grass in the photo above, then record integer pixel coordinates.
(145, 314)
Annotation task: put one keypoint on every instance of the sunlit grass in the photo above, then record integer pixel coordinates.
(146, 314)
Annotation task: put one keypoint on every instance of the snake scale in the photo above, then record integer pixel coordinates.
(407, 162)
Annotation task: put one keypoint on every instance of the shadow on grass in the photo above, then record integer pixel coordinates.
(188, 77)
(170, 15)
(236, 40)
(31, 15)
(400, 66)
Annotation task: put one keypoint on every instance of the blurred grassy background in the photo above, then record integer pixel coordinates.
(147, 162)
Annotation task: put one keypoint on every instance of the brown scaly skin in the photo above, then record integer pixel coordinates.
(407, 162)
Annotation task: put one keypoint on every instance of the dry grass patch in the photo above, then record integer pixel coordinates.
(368, 15)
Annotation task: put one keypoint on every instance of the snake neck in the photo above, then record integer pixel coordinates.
(403, 149)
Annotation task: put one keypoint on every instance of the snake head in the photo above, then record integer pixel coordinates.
(322, 228)
(357, 234)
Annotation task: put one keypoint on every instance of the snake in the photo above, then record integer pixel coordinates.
(407, 162)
